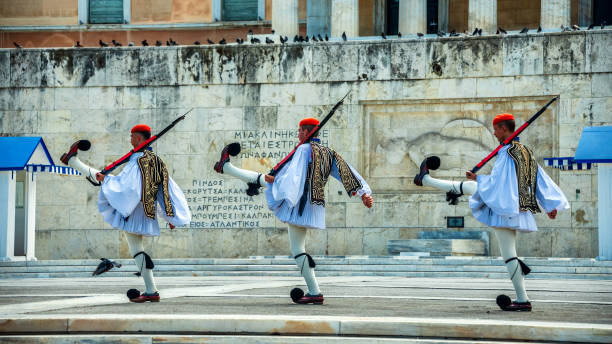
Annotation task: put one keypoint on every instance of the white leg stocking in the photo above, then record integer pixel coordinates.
(244, 175)
(468, 187)
(86, 171)
(507, 244)
(297, 241)
(135, 245)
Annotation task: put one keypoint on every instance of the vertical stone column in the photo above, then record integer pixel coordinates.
(482, 14)
(443, 15)
(285, 17)
(412, 16)
(379, 23)
(7, 215)
(554, 13)
(585, 12)
(345, 18)
(318, 20)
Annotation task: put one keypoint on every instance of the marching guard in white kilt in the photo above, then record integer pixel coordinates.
(296, 195)
(132, 200)
(505, 200)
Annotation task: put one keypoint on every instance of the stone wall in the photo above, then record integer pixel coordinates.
(409, 99)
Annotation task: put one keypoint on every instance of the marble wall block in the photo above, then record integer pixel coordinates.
(601, 85)
(584, 215)
(206, 243)
(261, 65)
(227, 65)
(77, 244)
(564, 53)
(239, 242)
(90, 67)
(523, 55)
(191, 65)
(25, 68)
(158, 66)
(5, 68)
(335, 62)
(273, 241)
(57, 68)
(535, 244)
(296, 63)
(574, 243)
(375, 240)
(20, 122)
(599, 47)
(375, 61)
(260, 117)
(409, 60)
(123, 66)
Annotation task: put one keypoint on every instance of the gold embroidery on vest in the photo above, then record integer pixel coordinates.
(526, 175)
(320, 169)
(154, 173)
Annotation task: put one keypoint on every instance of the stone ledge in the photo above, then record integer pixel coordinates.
(309, 325)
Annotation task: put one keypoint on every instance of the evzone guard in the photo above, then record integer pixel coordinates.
(131, 200)
(295, 192)
(506, 199)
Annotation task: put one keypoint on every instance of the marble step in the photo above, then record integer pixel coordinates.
(320, 267)
(429, 274)
(331, 260)
(439, 247)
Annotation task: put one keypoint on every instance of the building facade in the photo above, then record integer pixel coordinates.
(60, 23)
(410, 97)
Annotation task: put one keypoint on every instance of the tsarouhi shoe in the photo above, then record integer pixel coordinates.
(79, 145)
(431, 163)
(232, 149)
(144, 297)
(316, 299)
(518, 307)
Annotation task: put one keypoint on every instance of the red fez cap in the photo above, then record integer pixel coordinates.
(502, 117)
(309, 121)
(141, 127)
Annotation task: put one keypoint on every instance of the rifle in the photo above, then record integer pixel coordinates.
(108, 169)
(511, 137)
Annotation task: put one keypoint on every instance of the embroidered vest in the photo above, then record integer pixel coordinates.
(526, 174)
(154, 174)
(320, 169)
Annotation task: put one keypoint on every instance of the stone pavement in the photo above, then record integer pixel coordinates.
(247, 309)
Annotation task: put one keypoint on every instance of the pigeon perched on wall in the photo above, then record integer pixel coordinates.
(196, 43)
(115, 43)
(575, 27)
(591, 26)
(209, 41)
(420, 34)
(539, 29)
(269, 41)
(382, 34)
(501, 29)
(524, 30)
(104, 266)
(145, 43)
(78, 45)
(222, 41)
(475, 32)
(102, 44)
(158, 43)
(344, 36)
(399, 34)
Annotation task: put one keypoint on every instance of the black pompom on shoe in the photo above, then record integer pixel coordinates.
(133, 294)
(430, 163)
(296, 294)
